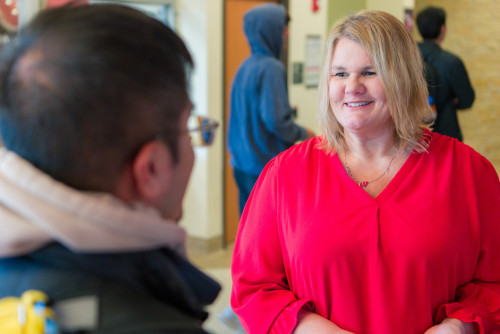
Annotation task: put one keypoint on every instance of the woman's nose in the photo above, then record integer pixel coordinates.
(354, 85)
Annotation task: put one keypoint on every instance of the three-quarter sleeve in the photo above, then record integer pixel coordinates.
(479, 300)
(261, 296)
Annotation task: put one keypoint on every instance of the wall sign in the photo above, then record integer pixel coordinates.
(312, 70)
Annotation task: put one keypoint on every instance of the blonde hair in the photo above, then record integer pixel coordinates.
(398, 63)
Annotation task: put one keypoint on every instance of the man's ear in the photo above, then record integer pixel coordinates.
(442, 33)
(152, 170)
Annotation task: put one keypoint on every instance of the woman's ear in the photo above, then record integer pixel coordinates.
(152, 170)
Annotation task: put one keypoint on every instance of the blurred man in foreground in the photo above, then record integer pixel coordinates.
(94, 111)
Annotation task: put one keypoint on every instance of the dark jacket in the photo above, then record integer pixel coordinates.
(454, 84)
(153, 292)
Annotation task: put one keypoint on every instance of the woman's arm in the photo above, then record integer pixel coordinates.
(478, 301)
(309, 322)
(261, 294)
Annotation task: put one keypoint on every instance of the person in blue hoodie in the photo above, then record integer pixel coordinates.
(261, 121)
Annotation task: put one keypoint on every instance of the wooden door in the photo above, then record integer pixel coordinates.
(236, 49)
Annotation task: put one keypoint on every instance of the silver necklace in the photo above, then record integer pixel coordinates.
(364, 184)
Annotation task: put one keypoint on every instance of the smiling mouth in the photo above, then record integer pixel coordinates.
(358, 104)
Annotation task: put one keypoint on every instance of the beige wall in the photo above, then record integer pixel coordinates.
(393, 7)
(474, 35)
(339, 8)
(304, 22)
(199, 22)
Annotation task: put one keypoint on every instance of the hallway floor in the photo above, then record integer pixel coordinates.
(218, 266)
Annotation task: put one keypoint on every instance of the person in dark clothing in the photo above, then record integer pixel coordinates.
(94, 112)
(261, 121)
(454, 90)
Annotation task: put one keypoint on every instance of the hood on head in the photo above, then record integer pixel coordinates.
(263, 26)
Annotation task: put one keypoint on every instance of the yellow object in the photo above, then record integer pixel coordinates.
(27, 315)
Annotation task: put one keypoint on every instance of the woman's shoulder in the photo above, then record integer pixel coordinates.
(444, 144)
(301, 162)
(447, 148)
(304, 152)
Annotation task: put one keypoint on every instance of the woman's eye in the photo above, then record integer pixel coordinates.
(340, 74)
(369, 73)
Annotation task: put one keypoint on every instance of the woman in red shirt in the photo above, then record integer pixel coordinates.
(379, 226)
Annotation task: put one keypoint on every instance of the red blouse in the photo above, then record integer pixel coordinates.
(427, 247)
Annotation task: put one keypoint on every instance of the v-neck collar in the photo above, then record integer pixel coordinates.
(391, 187)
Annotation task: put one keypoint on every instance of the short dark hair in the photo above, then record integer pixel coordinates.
(429, 22)
(83, 87)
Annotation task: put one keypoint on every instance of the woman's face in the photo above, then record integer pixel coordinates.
(356, 94)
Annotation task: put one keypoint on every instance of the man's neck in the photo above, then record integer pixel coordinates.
(436, 41)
